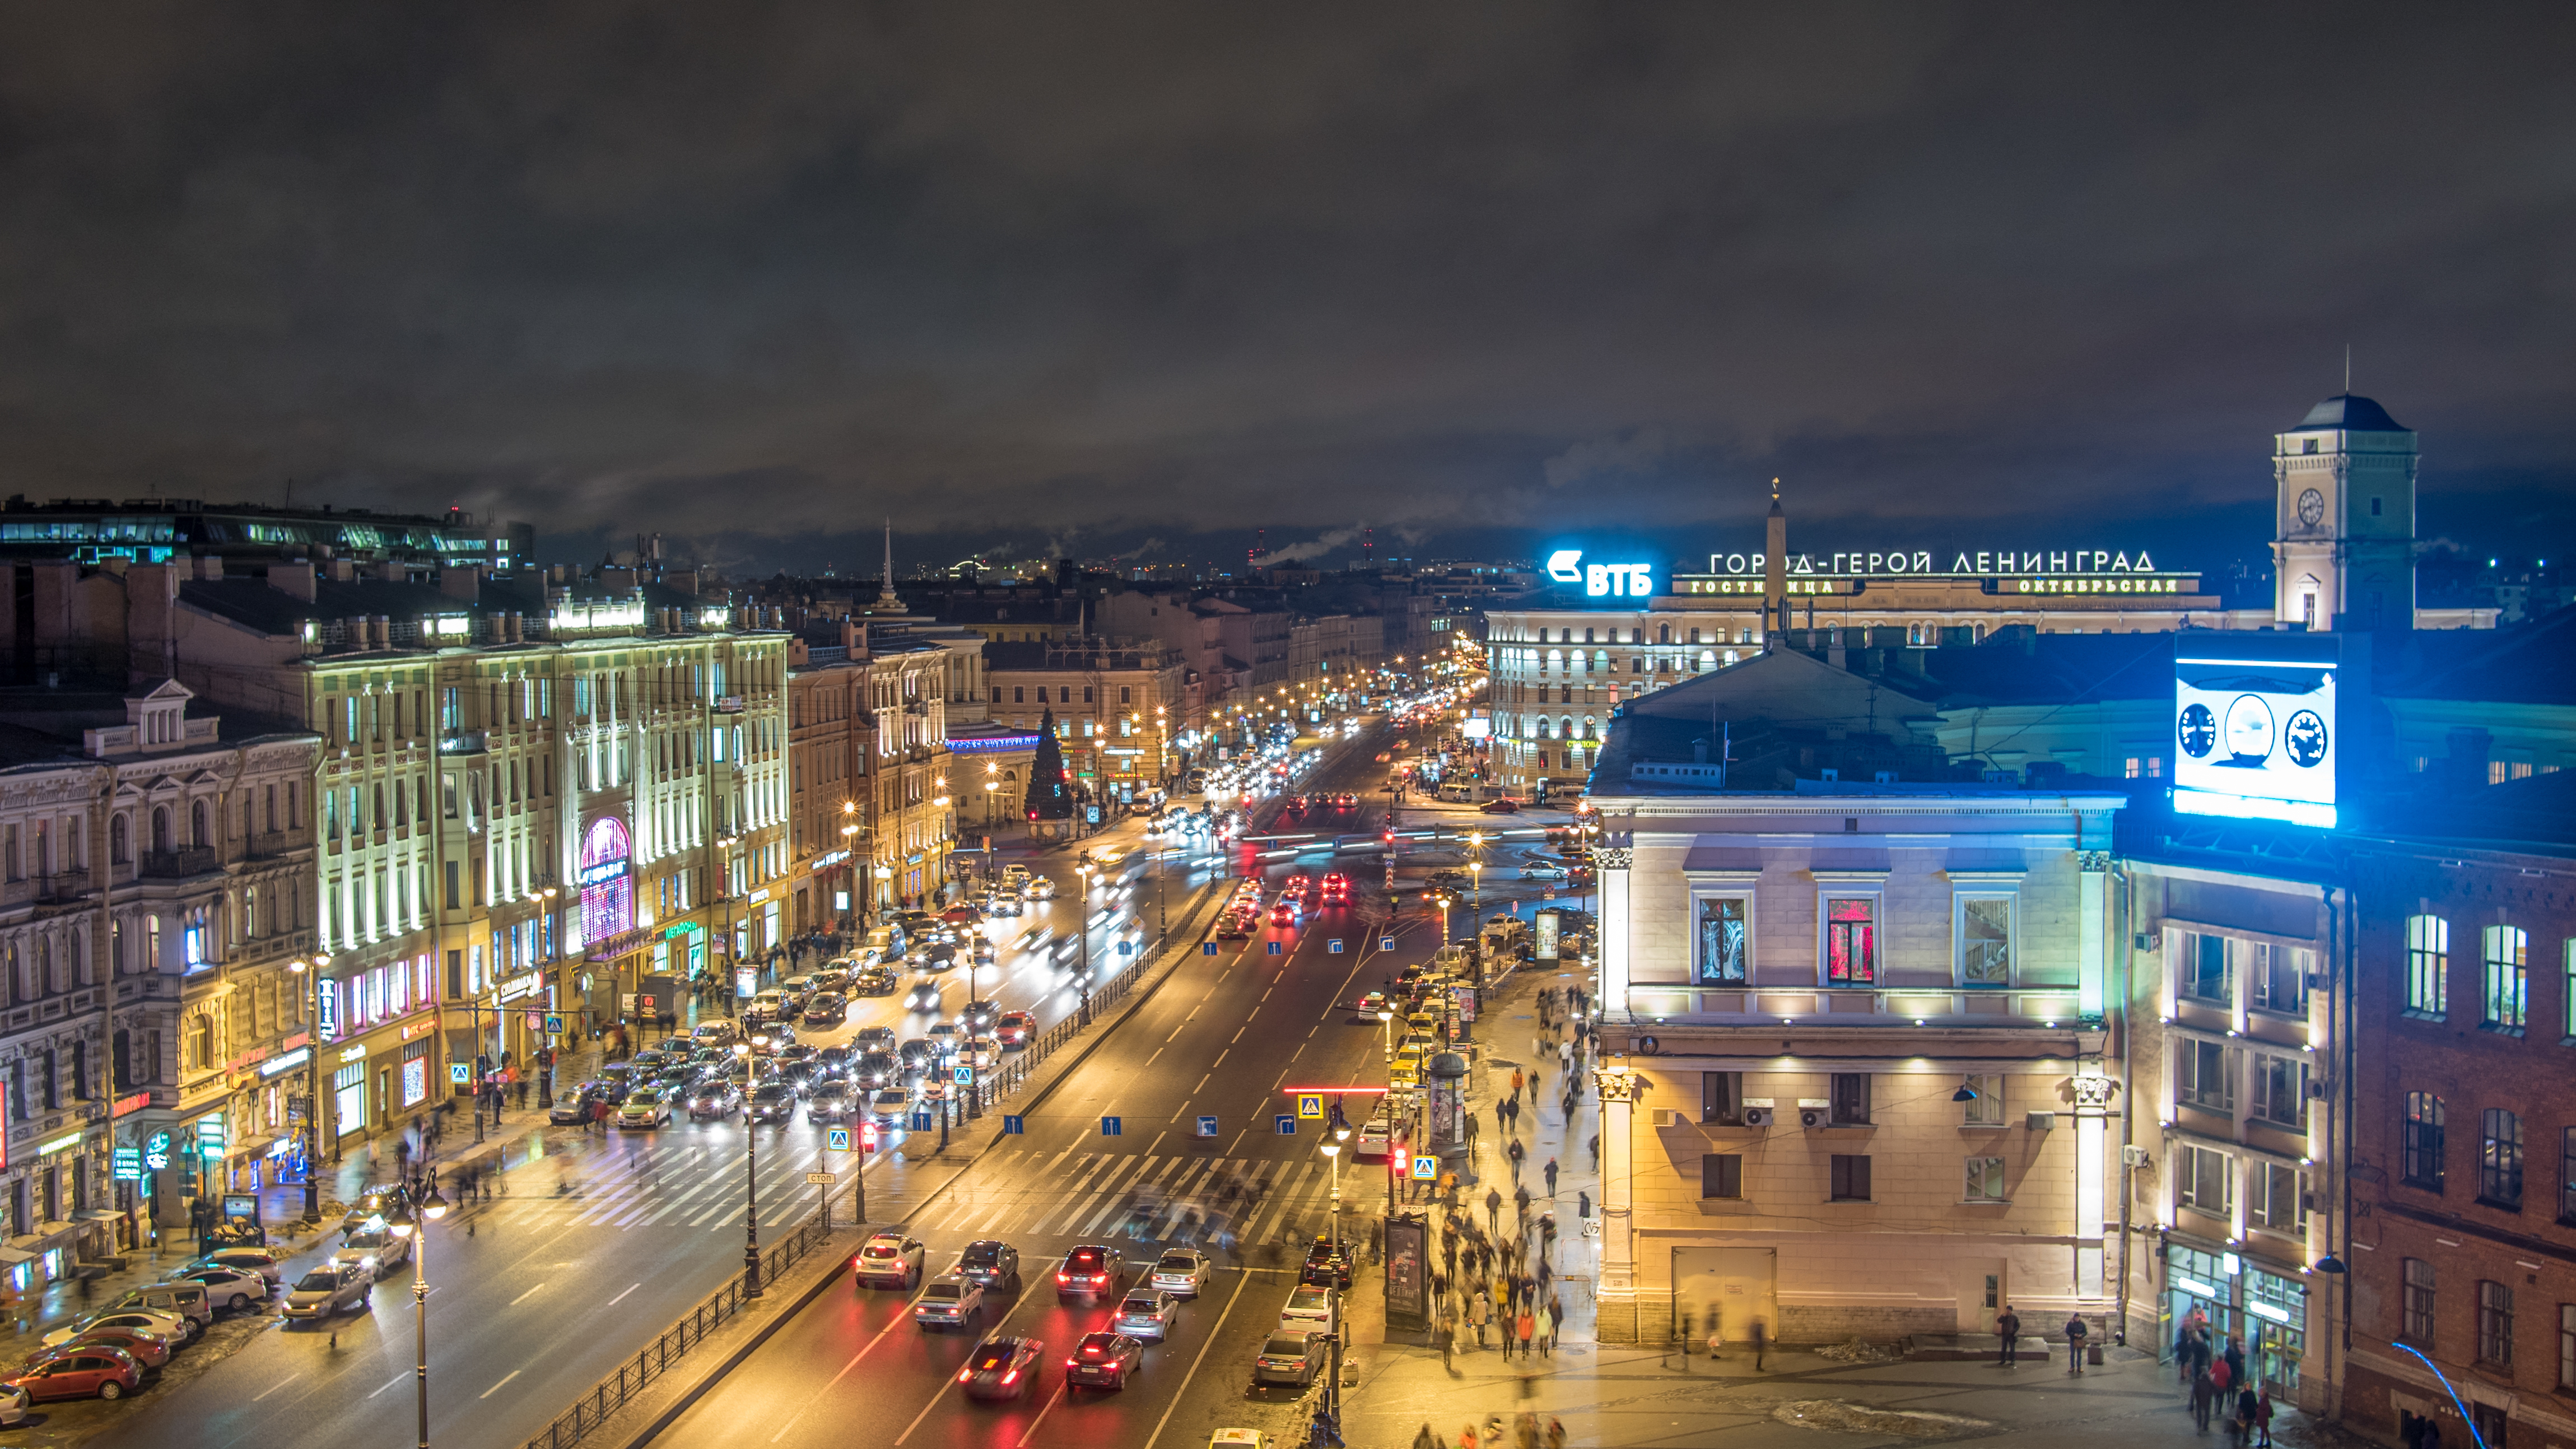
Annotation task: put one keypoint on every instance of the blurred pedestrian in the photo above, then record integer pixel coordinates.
(1555, 1320)
(1526, 1327)
(1550, 1171)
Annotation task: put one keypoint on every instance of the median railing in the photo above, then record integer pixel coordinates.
(676, 1343)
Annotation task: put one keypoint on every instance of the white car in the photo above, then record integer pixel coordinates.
(234, 1288)
(169, 1325)
(379, 1251)
(249, 1260)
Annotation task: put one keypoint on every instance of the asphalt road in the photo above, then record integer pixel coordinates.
(1226, 1036)
(596, 1247)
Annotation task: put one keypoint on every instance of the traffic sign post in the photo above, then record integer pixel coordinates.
(1426, 1168)
(1386, 943)
(1207, 1126)
(1207, 948)
(1274, 947)
(962, 1076)
(1011, 1126)
(1334, 946)
(836, 1139)
(1286, 1124)
(1310, 1105)
(1108, 1126)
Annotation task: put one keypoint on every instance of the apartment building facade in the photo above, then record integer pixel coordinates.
(1118, 707)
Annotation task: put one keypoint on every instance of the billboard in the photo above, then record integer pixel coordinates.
(2256, 736)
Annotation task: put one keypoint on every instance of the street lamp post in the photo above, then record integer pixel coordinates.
(1333, 1390)
(1082, 929)
(313, 1090)
(750, 1183)
(404, 1225)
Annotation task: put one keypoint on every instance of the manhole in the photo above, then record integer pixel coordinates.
(1845, 1417)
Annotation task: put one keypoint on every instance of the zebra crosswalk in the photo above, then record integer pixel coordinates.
(1142, 1197)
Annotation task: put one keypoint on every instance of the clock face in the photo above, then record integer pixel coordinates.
(2312, 507)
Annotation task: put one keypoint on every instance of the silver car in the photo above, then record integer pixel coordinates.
(326, 1291)
(1147, 1314)
(379, 1251)
(1182, 1272)
(950, 1300)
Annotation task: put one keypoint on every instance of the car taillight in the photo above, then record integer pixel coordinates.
(1012, 1377)
(966, 1375)
(1061, 1278)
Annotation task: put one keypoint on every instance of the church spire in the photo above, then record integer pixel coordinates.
(885, 588)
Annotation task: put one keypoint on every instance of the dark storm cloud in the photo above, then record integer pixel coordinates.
(765, 274)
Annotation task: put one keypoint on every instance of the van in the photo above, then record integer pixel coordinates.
(184, 1300)
(1309, 1310)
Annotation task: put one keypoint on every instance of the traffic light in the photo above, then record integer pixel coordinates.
(867, 1137)
(1399, 1158)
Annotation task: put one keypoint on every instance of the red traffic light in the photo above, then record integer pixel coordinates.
(867, 1137)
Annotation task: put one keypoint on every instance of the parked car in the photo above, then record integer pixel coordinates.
(1181, 1271)
(1309, 1309)
(948, 1301)
(991, 1262)
(90, 1372)
(141, 1344)
(888, 1259)
(254, 1260)
(234, 1288)
(188, 1301)
(1092, 1271)
(325, 1291)
(165, 1325)
(13, 1406)
(1289, 1358)
(1503, 805)
(1002, 1367)
(1147, 1313)
(1103, 1361)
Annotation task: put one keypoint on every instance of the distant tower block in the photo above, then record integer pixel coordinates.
(2343, 549)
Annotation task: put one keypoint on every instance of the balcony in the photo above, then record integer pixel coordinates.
(728, 704)
(269, 844)
(177, 864)
(69, 885)
(1873, 1008)
(464, 742)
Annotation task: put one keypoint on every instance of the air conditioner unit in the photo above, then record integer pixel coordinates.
(2041, 1121)
(2133, 1157)
(1665, 1117)
(2146, 940)
(2318, 1087)
(1757, 1116)
(1810, 1117)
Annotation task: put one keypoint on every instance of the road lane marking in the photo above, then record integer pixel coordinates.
(496, 1388)
(1202, 1086)
(1058, 1397)
(1218, 1327)
(531, 1293)
(1149, 1061)
(389, 1383)
(620, 1298)
(1176, 1033)
(871, 1347)
(1239, 1136)
(290, 1378)
(1220, 1058)
(1158, 1139)
(1238, 1033)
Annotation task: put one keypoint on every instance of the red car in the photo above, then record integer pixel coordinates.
(145, 1347)
(1014, 1028)
(1284, 913)
(1297, 886)
(1504, 806)
(78, 1371)
(1337, 889)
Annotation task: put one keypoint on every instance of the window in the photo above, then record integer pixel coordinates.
(2500, 1159)
(2567, 992)
(1986, 941)
(2567, 1346)
(2280, 976)
(2428, 966)
(2418, 1328)
(2204, 1075)
(2567, 1175)
(1985, 1104)
(2272, 1198)
(2508, 986)
(1721, 1098)
(2495, 1324)
(1725, 940)
(1721, 1174)
(2204, 969)
(1851, 1099)
(1986, 1180)
(2421, 1142)
(1850, 1178)
(2205, 1182)
(2281, 1091)
(1851, 940)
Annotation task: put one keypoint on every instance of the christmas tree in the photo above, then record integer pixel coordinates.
(1050, 796)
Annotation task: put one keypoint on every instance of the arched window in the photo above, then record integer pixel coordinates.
(2420, 1141)
(1565, 727)
(160, 827)
(1664, 634)
(198, 835)
(1587, 636)
(1542, 727)
(117, 843)
(2500, 1159)
(1591, 728)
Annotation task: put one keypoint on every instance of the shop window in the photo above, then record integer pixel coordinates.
(1721, 1174)
(2428, 966)
(2500, 1159)
(2421, 1142)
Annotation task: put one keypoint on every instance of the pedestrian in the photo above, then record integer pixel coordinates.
(1478, 1311)
(1517, 1082)
(2235, 1359)
(1596, 1152)
(1551, 1177)
(1502, 1116)
(2203, 1394)
(1555, 1320)
(2076, 1329)
(1467, 1437)
(1448, 1351)
(1555, 1433)
(1472, 1121)
(1758, 1341)
(1426, 1439)
(1494, 1208)
(2263, 1418)
(1565, 1057)
(1527, 1326)
(2248, 1409)
(1521, 1200)
(1518, 1155)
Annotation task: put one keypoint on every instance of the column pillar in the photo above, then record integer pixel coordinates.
(2092, 1174)
(1616, 1303)
(2092, 918)
(1611, 861)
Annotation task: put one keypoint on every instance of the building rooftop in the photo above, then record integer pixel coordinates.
(2346, 413)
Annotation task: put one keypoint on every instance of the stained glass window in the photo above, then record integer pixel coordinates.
(1985, 942)
(608, 891)
(1724, 949)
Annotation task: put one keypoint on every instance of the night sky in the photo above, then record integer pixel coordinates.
(1136, 280)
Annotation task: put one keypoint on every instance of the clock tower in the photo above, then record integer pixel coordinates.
(2343, 540)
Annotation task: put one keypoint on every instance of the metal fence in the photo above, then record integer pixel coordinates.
(677, 1342)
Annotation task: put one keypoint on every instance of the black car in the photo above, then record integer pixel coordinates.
(873, 1039)
(876, 981)
(978, 1016)
(713, 1099)
(1002, 1367)
(1327, 1266)
(573, 1108)
(837, 1057)
(1091, 1271)
(991, 1262)
(875, 1070)
(1103, 1360)
(804, 1075)
(772, 1101)
(829, 1008)
(919, 1055)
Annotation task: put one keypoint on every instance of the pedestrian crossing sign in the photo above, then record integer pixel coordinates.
(1310, 1105)
(1286, 1124)
(1334, 947)
(1108, 1126)
(836, 1139)
(1274, 948)
(554, 1024)
(1386, 943)
(1207, 1126)
(1207, 948)
(962, 1076)
(1426, 1168)
(1011, 1127)
(459, 1073)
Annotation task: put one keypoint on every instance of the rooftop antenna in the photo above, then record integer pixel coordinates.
(2347, 369)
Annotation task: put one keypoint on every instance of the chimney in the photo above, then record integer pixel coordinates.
(1775, 569)
(384, 631)
(1699, 750)
(292, 578)
(343, 571)
(391, 571)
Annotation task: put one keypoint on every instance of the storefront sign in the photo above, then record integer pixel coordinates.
(760, 895)
(620, 944)
(685, 927)
(286, 1063)
(2196, 1287)
(124, 1105)
(415, 1030)
(59, 1144)
(156, 1151)
(527, 985)
(356, 1053)
(129, 1164)
(1964, 563)
(823, 863)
